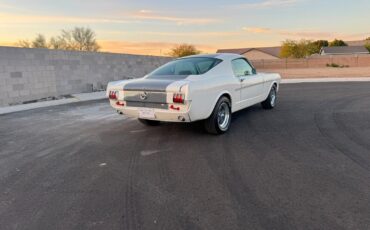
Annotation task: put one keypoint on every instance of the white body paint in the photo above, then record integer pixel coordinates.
(203, 91)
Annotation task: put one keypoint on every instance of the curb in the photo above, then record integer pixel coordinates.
(318, 80)
(76, 98)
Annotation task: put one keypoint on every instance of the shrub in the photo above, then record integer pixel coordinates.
(337, 42)
(302, 48)
(334, 65)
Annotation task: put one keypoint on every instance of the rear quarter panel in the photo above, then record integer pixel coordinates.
(204, 91)
(269, 80)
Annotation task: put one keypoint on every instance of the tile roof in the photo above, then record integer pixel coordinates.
(344, 50)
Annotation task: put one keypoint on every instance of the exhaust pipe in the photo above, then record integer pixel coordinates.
(181, 118)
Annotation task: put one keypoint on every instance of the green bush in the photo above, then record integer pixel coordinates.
(337, 42)
(302, 48)
(367, 45)
(334, 65)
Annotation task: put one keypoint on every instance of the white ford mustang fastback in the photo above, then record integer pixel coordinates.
(201, 87)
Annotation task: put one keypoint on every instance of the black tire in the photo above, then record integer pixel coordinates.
(270, 101)
(149, 122)
(212, 124)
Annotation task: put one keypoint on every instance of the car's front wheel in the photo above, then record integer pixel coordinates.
(149, 122)
(270, 101)
(220, 119)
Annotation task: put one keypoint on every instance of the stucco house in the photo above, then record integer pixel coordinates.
(266, 53)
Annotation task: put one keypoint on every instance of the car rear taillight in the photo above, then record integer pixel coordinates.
(178, 98)
(113, 95)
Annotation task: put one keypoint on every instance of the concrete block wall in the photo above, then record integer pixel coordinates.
(31, 74)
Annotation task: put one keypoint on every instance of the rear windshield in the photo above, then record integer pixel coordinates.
(187, 66)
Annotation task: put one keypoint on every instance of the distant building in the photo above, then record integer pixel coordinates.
(267, 53)
(343, 50)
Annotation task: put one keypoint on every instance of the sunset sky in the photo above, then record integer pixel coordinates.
(153, 27)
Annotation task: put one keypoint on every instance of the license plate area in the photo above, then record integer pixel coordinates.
(146, 113)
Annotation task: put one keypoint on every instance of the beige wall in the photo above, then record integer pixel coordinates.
(258, 55)
(313, 62)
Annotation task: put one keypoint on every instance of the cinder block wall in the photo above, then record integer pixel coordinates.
(31, 74)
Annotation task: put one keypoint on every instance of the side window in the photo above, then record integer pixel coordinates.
(185, 68)
(241, 67)
(205, 65)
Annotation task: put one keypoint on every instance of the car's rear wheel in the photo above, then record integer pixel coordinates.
(149, 122)
(270, 102)
(220, 119)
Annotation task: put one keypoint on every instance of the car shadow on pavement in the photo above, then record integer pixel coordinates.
(197, 127)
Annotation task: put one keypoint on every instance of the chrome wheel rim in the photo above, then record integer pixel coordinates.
(273, 98)
(223, 116)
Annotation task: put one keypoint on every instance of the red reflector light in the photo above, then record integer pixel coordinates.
(120, 103)
(174, 108)
(113, 95)
(178, 98)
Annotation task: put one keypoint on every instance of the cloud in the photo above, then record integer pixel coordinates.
(257, 30)
(8, 18)
(305, 34)
(147, 48)
(150, 15)
(145, 11)
(210, 34)
(301, 33)
(138, 17)
(310, 34)
(7, 6)
(266, 4)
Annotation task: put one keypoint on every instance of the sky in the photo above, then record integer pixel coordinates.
(154, 26)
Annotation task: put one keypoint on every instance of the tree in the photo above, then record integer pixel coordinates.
(39, 42)
(84, 39)
(367, 44)
(337, 42)
(297, 49)
(57, 44)
(80, 38)
(287, 48)
(316, 46)
(302, 48)
(24, 43)
(64, 41)
(184, 50)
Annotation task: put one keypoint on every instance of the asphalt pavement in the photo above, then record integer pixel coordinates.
(303, 165)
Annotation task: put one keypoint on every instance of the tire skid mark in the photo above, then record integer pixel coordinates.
(173, 213)
(350, 133)
(130, 215)
(247, 208)
(164, 176)
(334, 144)
(131, 204)
(136, 185)
(245, 198)
(333, 141)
